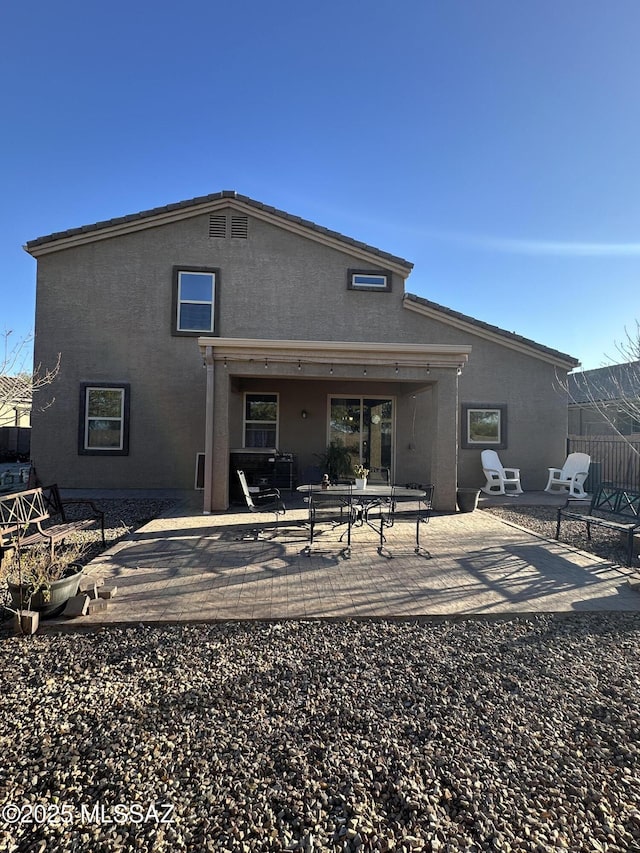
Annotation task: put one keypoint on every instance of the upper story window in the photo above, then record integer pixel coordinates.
(369, 280)
(104, 419)
(194, 301)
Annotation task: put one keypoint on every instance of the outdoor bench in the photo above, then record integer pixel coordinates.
(616, 508)
(38, 515)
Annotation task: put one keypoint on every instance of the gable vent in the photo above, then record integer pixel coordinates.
(239, 227)
(217, 225)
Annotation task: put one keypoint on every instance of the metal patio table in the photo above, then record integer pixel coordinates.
(378, 495)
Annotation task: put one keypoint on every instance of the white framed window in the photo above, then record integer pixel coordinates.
(194, 302)
(484, 425)
(260, 419)
(369, 280)
(104, 419)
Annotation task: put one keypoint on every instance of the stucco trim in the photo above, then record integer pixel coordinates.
(343, 352)
(187, 210)
(498, 336)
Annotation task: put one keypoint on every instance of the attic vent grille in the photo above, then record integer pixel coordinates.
(217, 225)
(239, 227)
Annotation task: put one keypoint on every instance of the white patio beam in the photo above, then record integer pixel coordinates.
(334, 352)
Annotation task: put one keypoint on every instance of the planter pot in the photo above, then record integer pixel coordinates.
(361, 483)
(51, 599)
(467, 499)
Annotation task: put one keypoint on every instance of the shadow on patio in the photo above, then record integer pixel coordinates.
(199, 568)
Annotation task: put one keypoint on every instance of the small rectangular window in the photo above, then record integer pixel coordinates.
(104, 419)
(194, 301)
(261, 420)
(369, 280)
(484, 425)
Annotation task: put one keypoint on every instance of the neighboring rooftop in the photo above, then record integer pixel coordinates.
(14, 391)
(613, 382)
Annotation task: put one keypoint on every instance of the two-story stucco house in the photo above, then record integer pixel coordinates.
(220, 324)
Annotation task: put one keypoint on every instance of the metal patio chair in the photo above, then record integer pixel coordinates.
(263, 500)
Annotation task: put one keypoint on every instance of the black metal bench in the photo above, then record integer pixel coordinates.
(618, 509)
(38, 515)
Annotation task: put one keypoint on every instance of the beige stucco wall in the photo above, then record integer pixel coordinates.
(107, 308)
(14, 416)
(536, 412)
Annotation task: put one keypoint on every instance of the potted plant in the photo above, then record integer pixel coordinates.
(467, 499)
(40, 581)
(361, 476)
(335, 461)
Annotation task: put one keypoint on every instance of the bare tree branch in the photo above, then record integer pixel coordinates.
(18, 383)
(613, 391)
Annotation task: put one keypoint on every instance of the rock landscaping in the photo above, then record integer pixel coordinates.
(471, 735)
(542, 520)
(121, 517)
(520, 735)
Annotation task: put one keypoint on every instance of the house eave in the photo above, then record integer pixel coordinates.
(503, 338)
(178, 212)
(343, 352)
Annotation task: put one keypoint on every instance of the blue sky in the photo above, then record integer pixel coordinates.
(493, 143)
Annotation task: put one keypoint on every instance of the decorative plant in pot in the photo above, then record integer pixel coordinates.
(40, 581)
(335, 461)
(361, 474)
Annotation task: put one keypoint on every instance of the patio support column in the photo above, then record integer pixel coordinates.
(208, 432)
(220, 439)
(445, 461)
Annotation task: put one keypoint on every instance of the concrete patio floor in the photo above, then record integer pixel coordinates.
(189, 567)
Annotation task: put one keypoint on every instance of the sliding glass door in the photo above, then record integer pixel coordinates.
(365, 426)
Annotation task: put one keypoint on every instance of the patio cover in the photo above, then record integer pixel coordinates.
(326, 359)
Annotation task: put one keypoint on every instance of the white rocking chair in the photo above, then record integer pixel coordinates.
(498, 477)
(571, 476)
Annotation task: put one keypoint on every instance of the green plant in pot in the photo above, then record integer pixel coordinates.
(41, 581)
(336, 460)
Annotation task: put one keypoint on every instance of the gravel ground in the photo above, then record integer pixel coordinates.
(515, 735)
(542, 520)
(520, 735)
(121, 517)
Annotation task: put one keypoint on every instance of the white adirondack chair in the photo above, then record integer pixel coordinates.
(498, 477)
(571, 476)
